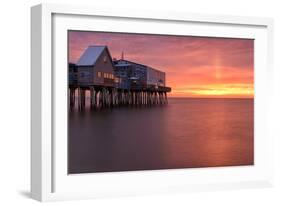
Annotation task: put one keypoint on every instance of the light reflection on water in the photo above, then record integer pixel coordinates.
(185, 133)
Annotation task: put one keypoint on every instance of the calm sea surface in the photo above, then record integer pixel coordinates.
(185, 133)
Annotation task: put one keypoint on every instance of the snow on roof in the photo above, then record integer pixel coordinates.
(90, 56)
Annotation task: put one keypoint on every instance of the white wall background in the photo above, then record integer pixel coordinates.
(15, 100)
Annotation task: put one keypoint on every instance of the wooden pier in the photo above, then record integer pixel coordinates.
(108, 97)
(109, 83)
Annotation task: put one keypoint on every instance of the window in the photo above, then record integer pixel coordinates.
(108, 76)
(99, 74)
(105, 59)
(117, 80)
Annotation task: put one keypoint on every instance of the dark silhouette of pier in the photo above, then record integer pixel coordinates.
(113, 83)
(106, 97)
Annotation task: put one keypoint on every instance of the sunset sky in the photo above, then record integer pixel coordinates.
(194, 66)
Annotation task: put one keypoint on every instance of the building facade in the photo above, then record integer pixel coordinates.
(135, 75)
(155, 77)
(72, 74)
(95, 67)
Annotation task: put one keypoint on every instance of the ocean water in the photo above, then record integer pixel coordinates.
(186, 133)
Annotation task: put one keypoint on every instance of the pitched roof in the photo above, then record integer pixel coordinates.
(90, 55)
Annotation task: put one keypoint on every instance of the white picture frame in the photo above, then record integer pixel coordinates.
(49, 179)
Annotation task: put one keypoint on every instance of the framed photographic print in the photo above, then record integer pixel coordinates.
(137, 102)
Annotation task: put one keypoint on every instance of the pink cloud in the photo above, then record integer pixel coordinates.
(185, 59)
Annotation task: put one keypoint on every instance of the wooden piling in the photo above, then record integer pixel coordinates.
(108, 97)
